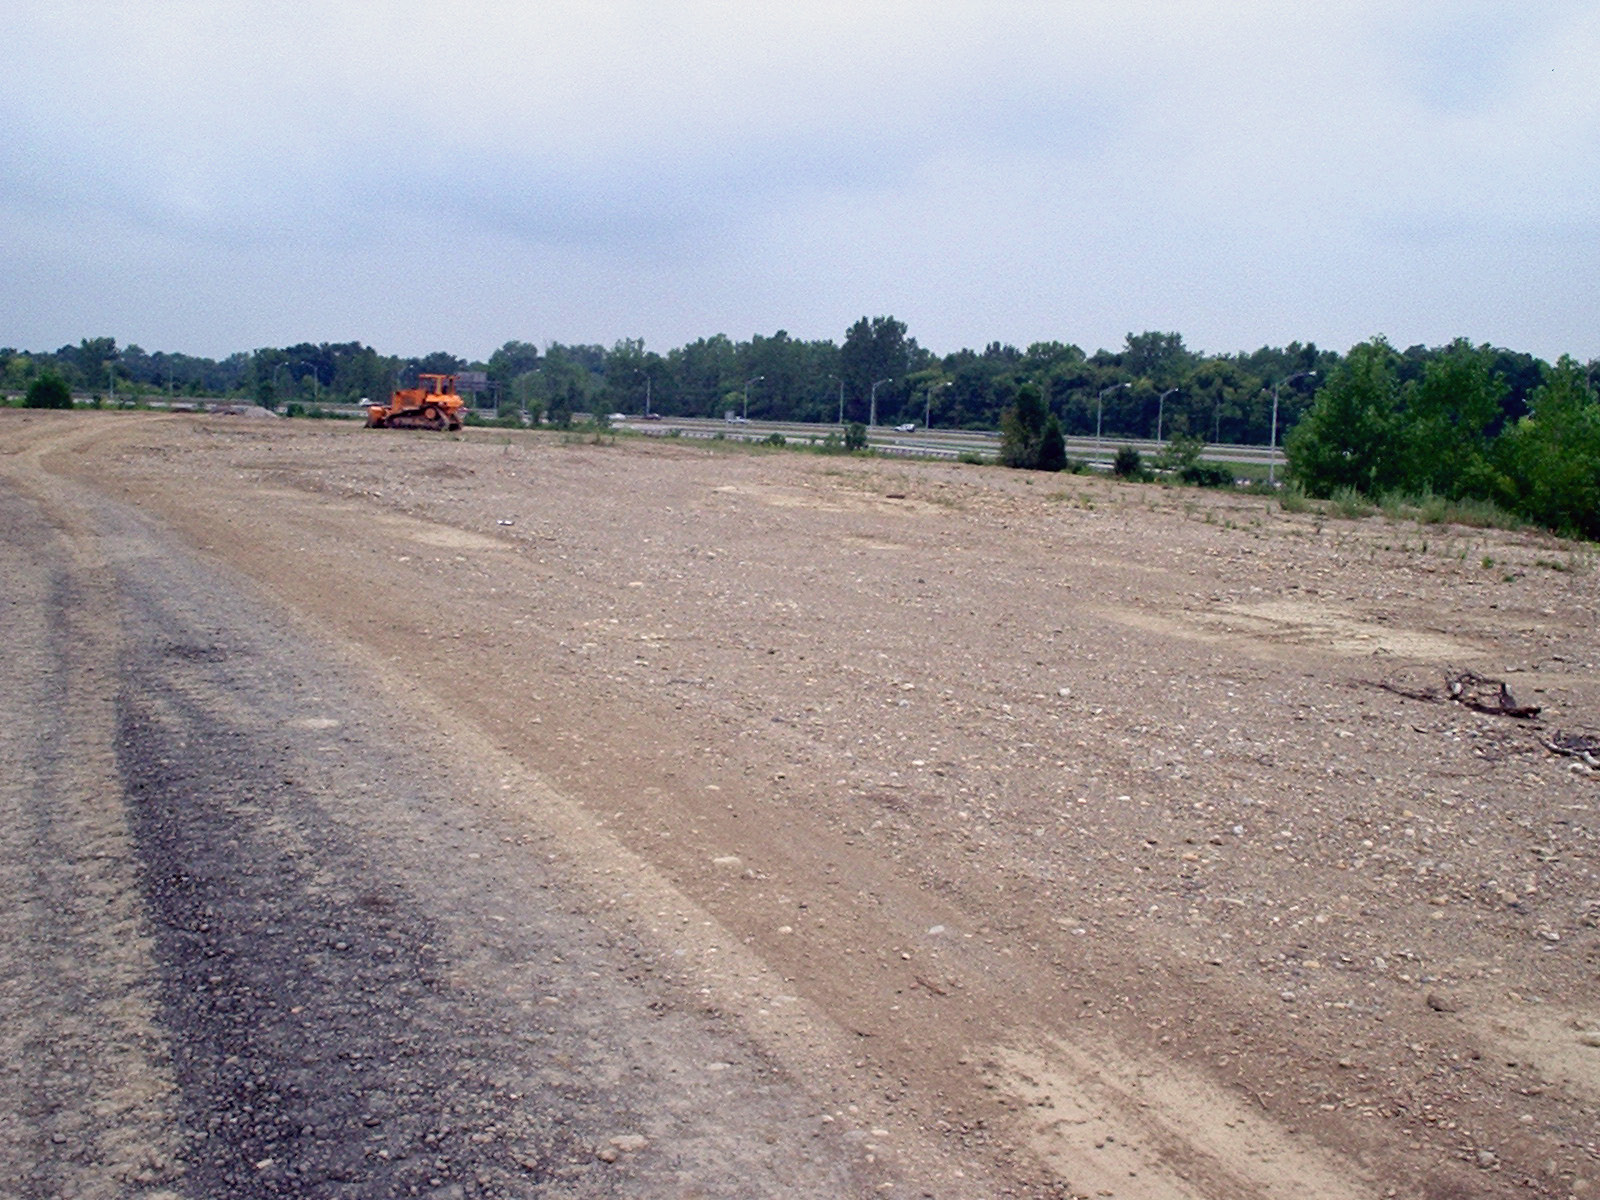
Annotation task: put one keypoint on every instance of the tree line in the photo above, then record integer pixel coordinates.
(1459, 420)
(1152, 383)
(1455, 430)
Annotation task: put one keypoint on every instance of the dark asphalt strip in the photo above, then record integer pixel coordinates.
(314, 1041)
(317, 1041)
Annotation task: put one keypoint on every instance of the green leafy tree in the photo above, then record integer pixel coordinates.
(512, 369)
(855, 436)
(1181, 452)
(701, 374)
(875, 350)
(48, 391)
(1022, 430)
(1158, 357)
(1553, 454)
(1350, 438)
(1444, 441)
(1052, 446)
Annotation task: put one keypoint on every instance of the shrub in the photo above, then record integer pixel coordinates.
(48, 391)
(1204, 474)
(775, 439)
(1180, 453)
(1349, 503)
(855, 436)
(1129, 463)
(1052, 446)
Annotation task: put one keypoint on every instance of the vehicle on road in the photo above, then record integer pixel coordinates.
(908, 427)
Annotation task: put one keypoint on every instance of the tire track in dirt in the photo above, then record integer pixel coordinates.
(86, 1085)
(774, 872)
(345, 1018)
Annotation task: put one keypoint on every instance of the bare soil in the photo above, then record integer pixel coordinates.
(687, 820)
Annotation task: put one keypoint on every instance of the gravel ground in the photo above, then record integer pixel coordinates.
(929, 828)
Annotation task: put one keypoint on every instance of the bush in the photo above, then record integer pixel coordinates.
(775, 439)
(48, 391)
(855, 437)
(1181, 452)
(1349, 503)
(1129, 463)
(1204, 474)
(1031, 437)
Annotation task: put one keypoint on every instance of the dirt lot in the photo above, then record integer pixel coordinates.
(841, 827)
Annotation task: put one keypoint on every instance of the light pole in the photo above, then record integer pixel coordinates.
(646, 374)
(872, 413)
(1100, 411)
(927, 405)
(840, 378)
(1161, 411)
(747, 383)
(524, 390)
(275, 371)
(1272, 447)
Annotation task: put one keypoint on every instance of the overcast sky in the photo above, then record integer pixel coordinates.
(217, 176)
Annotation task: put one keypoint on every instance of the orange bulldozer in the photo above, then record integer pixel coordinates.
(432, 404)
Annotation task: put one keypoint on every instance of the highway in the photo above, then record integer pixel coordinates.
(925, 443)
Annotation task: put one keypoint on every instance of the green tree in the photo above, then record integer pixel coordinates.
(1444, 441)
(1158, 357)
(876, 350)
(1553, 454)
(513, 373)
(701, 374)
(1181, 452)
(855, 436)
(48, 391)
(1023, 430)
(94, 358)
(1052, 446)
(1350, 438)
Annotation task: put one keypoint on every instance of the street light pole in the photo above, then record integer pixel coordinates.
(872, 415)
(1161, 411)
(1100, 411)
(646, 374)
(747, 383)
(1272, 447)
(927, 407)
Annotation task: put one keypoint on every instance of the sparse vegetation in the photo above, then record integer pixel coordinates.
(1349, 503)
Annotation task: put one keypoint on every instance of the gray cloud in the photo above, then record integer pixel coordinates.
(984, 170)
